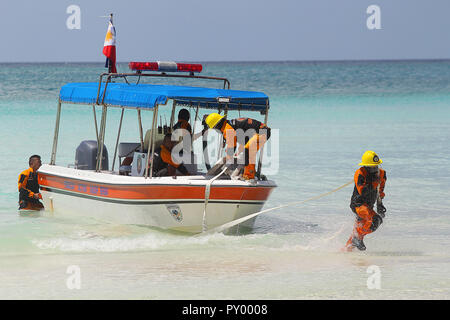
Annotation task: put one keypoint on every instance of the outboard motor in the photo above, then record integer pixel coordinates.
(86, 156)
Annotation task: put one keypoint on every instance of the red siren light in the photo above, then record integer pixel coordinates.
(189, 67)
(165, 66)
(153, 66)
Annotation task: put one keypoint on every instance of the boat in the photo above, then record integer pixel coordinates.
(132, 194)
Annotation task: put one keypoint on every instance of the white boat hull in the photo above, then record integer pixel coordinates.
(157, 215)
(174, 204)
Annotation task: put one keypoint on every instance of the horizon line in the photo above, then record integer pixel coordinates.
(250, 61)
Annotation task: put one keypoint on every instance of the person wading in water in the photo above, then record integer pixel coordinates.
(28, 184)
(369, 189)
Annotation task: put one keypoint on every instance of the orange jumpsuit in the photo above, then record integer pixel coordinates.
(163, 160)
(363, 199)
(29, 186)
(252, 144)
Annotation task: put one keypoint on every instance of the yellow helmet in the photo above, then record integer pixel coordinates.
(370, 159)
(213, 119)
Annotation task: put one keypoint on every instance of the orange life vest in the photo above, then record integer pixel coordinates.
(366, 184)
(28, 186)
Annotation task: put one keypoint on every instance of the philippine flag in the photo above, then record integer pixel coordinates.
(109, 48)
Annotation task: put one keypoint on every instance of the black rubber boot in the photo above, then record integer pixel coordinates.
(358, 243)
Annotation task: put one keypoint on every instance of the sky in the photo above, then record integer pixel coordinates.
(225, 30)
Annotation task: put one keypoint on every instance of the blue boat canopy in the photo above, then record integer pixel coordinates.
(148, 96)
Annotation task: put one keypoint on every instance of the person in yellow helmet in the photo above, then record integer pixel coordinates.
(255, 135)
(369, 189)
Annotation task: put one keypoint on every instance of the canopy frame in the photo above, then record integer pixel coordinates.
(100, 132)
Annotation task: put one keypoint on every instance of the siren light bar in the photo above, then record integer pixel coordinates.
(165, 66)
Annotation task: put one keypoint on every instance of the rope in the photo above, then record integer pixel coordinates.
(207, 192)
(243, 219)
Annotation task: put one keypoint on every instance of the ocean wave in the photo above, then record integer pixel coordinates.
(89, 242)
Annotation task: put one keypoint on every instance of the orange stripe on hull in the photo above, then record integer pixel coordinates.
(154, 192)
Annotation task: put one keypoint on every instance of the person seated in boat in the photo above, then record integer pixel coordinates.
(252, 134)
(163, 164)
(28, 184)
(183, 121)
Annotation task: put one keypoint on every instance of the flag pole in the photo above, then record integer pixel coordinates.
(108, 62)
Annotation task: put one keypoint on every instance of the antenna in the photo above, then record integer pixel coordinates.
(110, 17)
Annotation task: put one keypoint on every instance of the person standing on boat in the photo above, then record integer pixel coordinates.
(369, 189)
(28, 184)
(252, 132)
(163, 164)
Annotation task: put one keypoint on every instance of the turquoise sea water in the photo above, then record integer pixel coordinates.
(327, 113)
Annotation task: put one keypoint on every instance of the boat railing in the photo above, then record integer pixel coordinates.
(139, 74)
